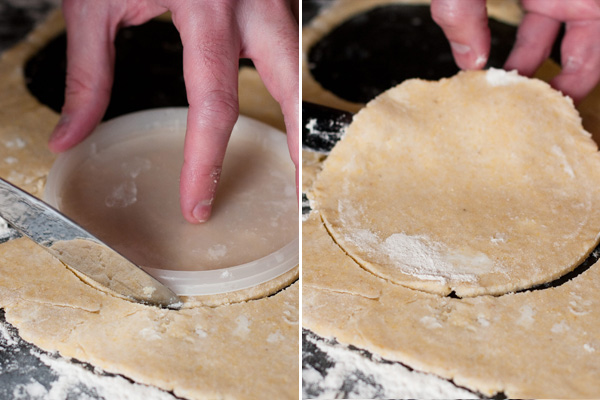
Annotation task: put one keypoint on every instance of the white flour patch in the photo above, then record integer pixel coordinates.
(500, 77)
(217, 251)
(589, 348)
(16, 143)
(225, 274)
(134, 167)
(6, 338)
(275, 337)
(354, 376)
(526, 317)
(430, 322)
(483, 321)
(420, 257)
(563, 161)
(73, 379)
(149, 334)
(201, 332)
(242, 326)
(560, 327)
(65, 379)
(31, 390)
(122, 195)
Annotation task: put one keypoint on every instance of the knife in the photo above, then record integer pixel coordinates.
(79, 249)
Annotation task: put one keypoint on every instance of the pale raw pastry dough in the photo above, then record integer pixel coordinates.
(245, 350)
(339, 11)
(311, 166)
(540, 344)
(482, 183)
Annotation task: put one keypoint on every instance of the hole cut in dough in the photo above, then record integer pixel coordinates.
(484, 183)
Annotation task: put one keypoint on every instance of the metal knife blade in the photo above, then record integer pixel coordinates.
(79, 249)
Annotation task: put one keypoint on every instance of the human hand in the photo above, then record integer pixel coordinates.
(215, 34)
(465, 25)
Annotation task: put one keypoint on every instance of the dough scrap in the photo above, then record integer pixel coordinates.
(539, 344)
(211, 349)
(484, 183)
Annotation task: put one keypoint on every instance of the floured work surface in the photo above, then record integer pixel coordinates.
(532, 344)
(241, 350)
(484, 183)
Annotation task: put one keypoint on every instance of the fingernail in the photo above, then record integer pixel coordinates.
(460, 48)
(202, 210)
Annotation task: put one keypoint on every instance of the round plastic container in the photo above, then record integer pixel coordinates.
(126, 143)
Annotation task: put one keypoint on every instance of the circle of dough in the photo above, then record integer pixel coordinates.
(484, 183)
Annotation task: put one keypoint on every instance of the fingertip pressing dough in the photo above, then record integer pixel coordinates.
(225, 346)
(484, 183)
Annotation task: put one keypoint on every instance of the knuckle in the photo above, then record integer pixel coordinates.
(82, 85)
(219, 109)
(446, 15)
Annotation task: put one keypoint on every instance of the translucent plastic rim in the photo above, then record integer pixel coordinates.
(172, 121)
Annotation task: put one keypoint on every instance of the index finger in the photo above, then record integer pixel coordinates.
(210, 64)
(466, 26)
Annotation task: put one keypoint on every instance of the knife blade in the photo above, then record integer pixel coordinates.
(79, 249)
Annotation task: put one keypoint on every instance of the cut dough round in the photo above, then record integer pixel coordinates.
(484, 183)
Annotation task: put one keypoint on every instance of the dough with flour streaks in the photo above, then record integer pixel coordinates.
(484, 183)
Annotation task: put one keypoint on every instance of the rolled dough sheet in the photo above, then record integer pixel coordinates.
(540, 344)
(244, 350)
(519, 344)
(484, 183)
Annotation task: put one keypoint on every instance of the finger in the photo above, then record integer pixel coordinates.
(275, 53)
(561, 10)
(465, 24)
(535, 38)
(580, 59)
(210, 64)
(90, 64)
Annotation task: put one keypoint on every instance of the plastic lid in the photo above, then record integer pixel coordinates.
(140, 130)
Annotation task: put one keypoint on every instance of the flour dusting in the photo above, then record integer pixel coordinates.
(242, 327)
(421, 257)
(526, 317)
(122, 195)
(136, 166)
(217, 251)
(64, 379)
(355, 376)
(500, 77)
(563, 160)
